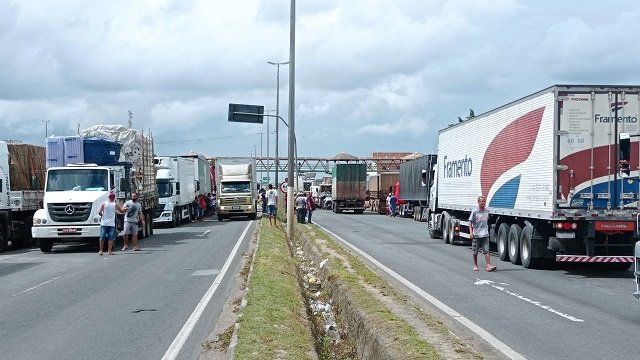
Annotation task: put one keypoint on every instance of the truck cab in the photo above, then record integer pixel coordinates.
(237, 191)
(72, 198)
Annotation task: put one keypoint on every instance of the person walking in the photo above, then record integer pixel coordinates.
(196, 209)
(272, 201)
(107, 214)
(388, 204)
(132, 216)
(479, 234)
(301, 205)
(311, 206)
(393, 201)
(263, 200)
(203, 206)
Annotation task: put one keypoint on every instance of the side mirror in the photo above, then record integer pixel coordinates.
(624, 154)
(424, 177)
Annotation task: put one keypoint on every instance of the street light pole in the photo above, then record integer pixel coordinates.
(269, 135)
(292, 123)
(46, 128)
(261, 158)
(277, 162)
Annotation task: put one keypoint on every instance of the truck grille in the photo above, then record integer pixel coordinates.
(157, 210)
(240, 200)
(74, 212)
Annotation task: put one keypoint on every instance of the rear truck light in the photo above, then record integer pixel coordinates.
(565, 225)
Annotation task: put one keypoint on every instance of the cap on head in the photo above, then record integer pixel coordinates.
(112, 196)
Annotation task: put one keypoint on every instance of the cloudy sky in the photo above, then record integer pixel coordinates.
(371, 75)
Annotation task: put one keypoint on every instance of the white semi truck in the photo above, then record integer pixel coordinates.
(558, 169)
(118, 160)
(237, 187)
(176, 190)
(22, 172)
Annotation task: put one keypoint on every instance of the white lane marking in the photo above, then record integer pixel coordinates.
(492, 340)
(521, 297)
(184, 333)
(204, 233)
(206, 272)
(37, 286)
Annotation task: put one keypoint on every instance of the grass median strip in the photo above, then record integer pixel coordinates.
(274, 323)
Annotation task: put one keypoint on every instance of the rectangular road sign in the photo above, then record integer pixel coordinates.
(246, 113)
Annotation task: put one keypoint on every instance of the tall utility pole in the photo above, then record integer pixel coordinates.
(46, 128)
(277, 162)
(268, 154)
(292, 122)
(260, 133)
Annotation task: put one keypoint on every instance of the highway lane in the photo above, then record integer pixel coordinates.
(567, 312)
(75, 304)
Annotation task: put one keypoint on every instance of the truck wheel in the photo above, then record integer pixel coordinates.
(252, 216)
(220, 217)
(528, 260)
(149, 223)
(452, 231)
(503, 242)
(4, 241)
(445, 227)
(514, 243)
(45, 245)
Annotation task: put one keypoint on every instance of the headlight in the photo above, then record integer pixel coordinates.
(96, 219)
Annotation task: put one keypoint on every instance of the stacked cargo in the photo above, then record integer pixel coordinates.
(26, 166)
(349, 187)
(379, 188)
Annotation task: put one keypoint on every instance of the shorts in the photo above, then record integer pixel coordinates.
(108, 233)
(482, 243)
(271, 210)
(131, 228)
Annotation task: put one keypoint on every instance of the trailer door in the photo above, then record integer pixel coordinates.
(592, 174)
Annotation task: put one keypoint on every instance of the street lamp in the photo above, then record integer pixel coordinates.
(261, 159)
(277, 113)
(46, 128)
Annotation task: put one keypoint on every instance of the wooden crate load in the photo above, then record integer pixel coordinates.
(27, 166)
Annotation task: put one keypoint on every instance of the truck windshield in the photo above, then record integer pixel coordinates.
(77, 180)
(164, 188)
(235, 187)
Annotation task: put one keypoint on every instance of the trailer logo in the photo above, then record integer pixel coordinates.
(458, 168)
(618, 106)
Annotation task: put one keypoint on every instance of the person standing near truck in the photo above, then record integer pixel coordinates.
(479, 233)
(107, 214)
(272, 201)
(133, 215)
(311, 206)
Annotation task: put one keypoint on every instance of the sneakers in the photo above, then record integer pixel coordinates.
(125, 248)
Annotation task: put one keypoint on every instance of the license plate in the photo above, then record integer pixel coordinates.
(565, 235)
(235, 208)
(69, 230)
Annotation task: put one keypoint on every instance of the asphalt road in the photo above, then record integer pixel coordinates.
(568, 312)
(75, 304)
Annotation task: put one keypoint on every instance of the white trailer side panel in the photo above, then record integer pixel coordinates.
(506, 155)
(185, 175)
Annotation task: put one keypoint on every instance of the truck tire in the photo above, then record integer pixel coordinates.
(358, 211)
(149, 223)
(526, 254)
(4, 240)
(220, 217)
(502, 242)
(452, 231)
(174, 220)
(45, 245)
(445, 227)
(514, 243)
(252, 216)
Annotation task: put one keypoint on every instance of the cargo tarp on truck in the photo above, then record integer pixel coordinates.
(27, 166)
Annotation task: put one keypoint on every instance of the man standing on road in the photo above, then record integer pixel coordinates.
(272, 201)
(311, 205)
(107, 214)
(301, 205)
(479, 233)
(393, 200)
(133, 214)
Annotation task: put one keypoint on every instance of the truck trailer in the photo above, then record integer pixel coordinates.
(558, 169)
(176, 191)
(379, 187)
(201, 173)
(416, 178)
(116, 159)
(349, 187)
(22, 174)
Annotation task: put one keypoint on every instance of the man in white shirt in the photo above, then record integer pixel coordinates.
(272, 203)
